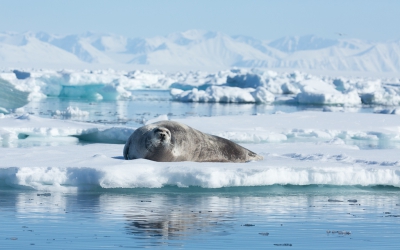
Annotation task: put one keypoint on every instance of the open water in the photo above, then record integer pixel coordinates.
(307, 217)
(148, 104)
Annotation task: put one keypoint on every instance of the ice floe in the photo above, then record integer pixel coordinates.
(235, 85)
(100, 165)
(324, 157)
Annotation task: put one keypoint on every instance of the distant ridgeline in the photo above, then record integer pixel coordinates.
(196, 48)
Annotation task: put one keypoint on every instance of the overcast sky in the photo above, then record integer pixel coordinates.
(263, 19)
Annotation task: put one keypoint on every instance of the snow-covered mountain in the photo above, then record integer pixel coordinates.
(196, 48)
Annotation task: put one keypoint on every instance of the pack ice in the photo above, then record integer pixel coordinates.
(228, 86)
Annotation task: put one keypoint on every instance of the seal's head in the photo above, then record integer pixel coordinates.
(162, 135)
(158, 137)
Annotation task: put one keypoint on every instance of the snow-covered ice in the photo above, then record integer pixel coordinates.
(299, 148)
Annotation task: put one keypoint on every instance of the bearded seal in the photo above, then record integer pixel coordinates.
(169, 141)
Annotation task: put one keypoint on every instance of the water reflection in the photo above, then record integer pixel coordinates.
(178, 218)
(203, 218)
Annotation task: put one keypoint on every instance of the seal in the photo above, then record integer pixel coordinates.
(169, 141)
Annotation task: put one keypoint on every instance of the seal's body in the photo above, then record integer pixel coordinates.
(168, 141)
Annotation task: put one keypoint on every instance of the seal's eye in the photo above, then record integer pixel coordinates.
(161, 133)
(158, 131)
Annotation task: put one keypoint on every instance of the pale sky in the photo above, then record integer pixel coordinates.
(262, 19)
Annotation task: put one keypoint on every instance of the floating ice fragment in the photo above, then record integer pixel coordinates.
(11, 97)
(3, 111)
(339, 232)
(71, 112)
(21, 75)
(44, 194)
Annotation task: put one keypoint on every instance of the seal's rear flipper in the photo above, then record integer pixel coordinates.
(254, 157)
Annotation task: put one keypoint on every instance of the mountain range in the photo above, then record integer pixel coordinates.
(196, 48)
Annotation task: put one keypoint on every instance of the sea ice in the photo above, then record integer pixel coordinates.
(235, 85)
(224, 94)
(10, 97)
(298, 163)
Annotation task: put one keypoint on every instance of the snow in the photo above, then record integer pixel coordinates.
(225, 86)
(300, 148)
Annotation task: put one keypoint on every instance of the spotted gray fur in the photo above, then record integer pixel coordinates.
(169, 141)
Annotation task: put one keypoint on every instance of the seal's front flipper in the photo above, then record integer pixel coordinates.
(126, 152)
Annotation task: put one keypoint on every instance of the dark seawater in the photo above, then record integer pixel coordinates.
(294, 217)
